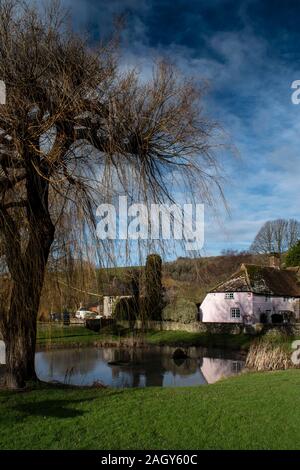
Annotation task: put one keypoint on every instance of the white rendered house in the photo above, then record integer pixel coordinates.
(109, 303)
(253, 295)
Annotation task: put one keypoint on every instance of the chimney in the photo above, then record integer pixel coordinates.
(274, 260)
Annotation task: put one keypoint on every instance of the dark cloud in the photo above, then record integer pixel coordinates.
(249, 51)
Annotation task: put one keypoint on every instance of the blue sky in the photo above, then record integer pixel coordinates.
(249, 51)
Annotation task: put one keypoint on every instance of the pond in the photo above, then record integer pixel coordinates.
(138, 367)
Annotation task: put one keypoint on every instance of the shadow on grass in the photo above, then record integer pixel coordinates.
(51, 408)
(55, 408)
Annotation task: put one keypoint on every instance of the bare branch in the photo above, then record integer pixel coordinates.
(9, 183)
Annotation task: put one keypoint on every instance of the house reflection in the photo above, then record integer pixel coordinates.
(137, 367)
(214, 369)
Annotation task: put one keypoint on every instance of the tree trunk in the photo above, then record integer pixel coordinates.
(26, 263)
(19, 331)
(20, 338)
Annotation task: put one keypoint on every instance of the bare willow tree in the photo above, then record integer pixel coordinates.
(70, 117)
(276, 236)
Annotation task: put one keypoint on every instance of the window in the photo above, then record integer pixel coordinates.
(229, 295)
(267, 298)
(235, 313)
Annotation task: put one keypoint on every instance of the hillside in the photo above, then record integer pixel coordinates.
(192, 278)
(188, 278)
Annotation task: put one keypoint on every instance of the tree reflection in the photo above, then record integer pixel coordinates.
(135, 367)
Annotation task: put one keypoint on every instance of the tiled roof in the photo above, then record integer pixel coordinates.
(263, 280)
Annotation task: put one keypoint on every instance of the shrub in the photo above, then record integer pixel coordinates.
(154, 290)
(182, 311)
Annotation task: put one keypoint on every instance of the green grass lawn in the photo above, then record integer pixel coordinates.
(251, 411)
(59, 334)
(73, 335)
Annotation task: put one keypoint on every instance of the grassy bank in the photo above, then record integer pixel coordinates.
(57, 335)
(184, 339)
(252, 411)
(60, 336)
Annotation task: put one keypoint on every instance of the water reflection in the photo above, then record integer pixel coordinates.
(135, 367)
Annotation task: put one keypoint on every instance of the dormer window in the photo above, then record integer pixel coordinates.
(229, 295)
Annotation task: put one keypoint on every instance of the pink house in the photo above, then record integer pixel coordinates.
(253, 295)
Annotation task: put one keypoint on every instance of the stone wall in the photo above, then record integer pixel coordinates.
(292, 329)
(195, 327)
(216, 328)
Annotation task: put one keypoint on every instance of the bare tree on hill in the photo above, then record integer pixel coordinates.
(276, 236)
